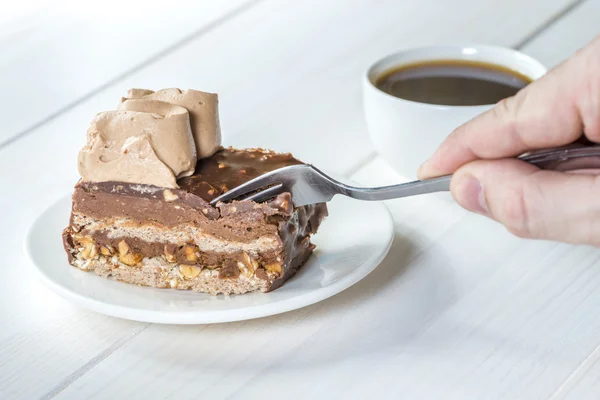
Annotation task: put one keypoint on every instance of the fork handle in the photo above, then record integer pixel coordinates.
(440, 184)
(569, 158)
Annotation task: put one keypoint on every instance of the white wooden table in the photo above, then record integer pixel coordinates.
(459, 309)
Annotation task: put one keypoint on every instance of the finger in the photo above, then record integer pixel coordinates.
(550, 112)
(530, 202)
(535, 118)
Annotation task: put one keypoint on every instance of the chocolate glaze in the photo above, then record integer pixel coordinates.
(68, 244)
(295, 235)
(229, 168)
(237, 221)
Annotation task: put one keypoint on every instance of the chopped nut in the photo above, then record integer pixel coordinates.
(222, 165)
(247, 265)
(232, 209)
(247, 272)
(211, 191)
(169, 196)
(131, 259)
(173, 283)
(89, 249)
(93, 252)
(189, 271)
(82, 265)
(273, 268)
(191, 253)
(126, 256)
(107, 250)
(205, 211)
(246, 258)
(123, 247)
(169, 255)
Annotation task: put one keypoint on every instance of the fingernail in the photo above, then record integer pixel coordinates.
(427, 169)
(471, 195)
(421, 169)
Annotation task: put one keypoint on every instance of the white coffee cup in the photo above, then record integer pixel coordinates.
(405, 132)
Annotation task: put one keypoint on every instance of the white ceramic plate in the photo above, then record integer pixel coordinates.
(351, 242)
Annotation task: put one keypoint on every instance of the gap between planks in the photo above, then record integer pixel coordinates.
(62, 385)
(575, 376)
(551, 21)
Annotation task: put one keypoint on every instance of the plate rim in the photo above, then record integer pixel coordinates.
(207, 317)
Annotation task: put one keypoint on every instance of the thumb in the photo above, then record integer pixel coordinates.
(530, 202)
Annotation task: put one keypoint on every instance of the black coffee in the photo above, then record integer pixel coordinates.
(452, 82)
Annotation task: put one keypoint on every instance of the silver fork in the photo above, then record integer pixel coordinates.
(309, 185)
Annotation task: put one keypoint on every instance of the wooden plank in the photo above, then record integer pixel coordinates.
(567, 35)
(59, 54)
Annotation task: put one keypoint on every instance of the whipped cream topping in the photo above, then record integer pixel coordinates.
(204, 114)
(153, 138)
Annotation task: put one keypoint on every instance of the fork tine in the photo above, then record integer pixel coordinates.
(265, 194)
(254, 184)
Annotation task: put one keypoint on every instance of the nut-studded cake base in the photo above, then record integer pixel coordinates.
(155, 272)
(173, 238)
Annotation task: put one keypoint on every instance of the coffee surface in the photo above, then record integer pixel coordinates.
(452, 82)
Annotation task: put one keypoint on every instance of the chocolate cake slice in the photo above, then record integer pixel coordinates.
(173, 238)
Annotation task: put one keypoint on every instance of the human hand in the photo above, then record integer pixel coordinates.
(532, 203)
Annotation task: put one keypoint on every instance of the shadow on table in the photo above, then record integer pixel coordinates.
(381, 314)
